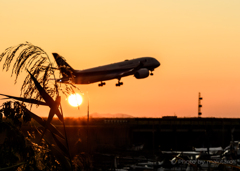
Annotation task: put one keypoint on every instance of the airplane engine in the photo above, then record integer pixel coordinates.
(142, 73)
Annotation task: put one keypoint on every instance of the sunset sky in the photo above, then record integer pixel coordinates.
(196, 42)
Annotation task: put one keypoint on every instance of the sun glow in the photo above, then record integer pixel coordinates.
(75, 100)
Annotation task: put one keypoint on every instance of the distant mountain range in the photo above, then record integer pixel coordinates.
(108, 115)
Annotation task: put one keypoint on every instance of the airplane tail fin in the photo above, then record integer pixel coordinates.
(65, 69)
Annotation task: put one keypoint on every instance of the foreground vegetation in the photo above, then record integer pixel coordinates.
(37, 149)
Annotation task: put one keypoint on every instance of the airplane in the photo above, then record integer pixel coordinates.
(138, 67)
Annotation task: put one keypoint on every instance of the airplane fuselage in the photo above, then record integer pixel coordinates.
(138, 67)
(112, 71)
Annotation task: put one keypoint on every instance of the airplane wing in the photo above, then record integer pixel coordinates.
(133, 70)
(122, 70)
(119, 71)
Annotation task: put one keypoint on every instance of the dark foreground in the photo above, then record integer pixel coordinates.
(144, 143)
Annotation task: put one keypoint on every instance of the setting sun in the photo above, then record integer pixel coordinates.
(75, 100)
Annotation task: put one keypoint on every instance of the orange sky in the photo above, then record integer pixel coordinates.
(196, 42)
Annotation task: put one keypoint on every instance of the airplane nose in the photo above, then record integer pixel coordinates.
(157, 63)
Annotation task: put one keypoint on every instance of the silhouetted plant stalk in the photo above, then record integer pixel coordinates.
(36, 88)
(18, 151)
(38, 63)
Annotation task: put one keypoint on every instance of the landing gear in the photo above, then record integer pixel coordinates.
(101, 84)
(151, 73)
(119, 83)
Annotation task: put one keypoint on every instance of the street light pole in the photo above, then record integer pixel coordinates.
(87, 124)
(88, 112)
(199, 105)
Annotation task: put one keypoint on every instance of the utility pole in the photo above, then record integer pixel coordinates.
(87, 125)
(199, 105)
